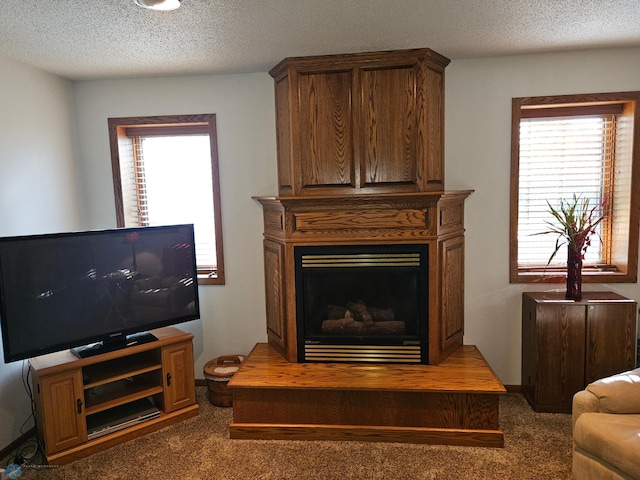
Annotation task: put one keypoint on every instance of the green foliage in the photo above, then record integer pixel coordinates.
(575, 225)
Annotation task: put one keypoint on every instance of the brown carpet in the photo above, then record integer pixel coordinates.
(537, 446)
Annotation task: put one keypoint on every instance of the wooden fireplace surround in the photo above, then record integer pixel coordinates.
(361, 162)
(435, 219)
(360, 144)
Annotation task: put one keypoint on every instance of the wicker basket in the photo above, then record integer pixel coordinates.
(218, 372)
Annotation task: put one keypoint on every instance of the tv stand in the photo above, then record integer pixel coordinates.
(74, 395)
(124, 341)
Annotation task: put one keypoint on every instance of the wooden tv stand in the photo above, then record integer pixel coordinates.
(69, 391)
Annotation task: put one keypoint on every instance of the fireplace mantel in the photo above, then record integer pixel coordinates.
(432, 218)
(408, 216)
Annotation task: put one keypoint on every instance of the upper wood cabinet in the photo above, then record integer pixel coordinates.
(360, 123)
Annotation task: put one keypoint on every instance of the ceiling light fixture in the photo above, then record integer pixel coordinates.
(164, 5)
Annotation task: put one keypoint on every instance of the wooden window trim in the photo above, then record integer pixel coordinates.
(163, 125)
(529, 107)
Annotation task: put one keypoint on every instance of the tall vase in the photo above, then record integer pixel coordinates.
(574, 275)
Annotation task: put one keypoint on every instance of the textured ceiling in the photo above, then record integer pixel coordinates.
(114, 38)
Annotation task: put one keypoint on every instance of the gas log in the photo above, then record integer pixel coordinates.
(357, 319)
(360, 311)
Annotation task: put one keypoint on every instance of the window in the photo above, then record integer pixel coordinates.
(566, 145)
(165, 171)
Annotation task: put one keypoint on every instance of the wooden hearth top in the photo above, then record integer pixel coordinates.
(465, 370)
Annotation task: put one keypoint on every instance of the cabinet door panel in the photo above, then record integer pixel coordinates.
(179, 377)
(326, 124)
(431, 140)
(561, 353)
(610, 340)
(62, 401)
(283, 136)
(389, 126)
(275, 292)
(452, 328)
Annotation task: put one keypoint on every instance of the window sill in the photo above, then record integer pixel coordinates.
(561, 277)
(209, 279)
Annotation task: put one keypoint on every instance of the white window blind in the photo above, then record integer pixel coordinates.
(169, 182)
(560, 157)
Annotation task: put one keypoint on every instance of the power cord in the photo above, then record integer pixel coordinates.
(27, 452)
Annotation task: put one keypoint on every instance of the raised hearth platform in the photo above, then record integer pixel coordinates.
(453, 403)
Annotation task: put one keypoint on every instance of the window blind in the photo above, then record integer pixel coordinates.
(169, 182)
(139, 184)
(560, 157)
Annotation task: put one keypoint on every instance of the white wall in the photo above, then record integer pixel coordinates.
(233, 315)
(38, 189)
(477, 152)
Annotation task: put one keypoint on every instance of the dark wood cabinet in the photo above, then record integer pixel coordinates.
(360, 123)
(567, 344)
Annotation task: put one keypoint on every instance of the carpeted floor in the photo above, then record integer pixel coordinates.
(537, 446)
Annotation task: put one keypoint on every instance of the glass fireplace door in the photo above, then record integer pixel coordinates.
(362, 303)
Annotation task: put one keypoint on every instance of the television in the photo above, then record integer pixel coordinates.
(94, 291)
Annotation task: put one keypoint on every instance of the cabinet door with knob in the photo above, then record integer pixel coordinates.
(62, 420)
(179, 377)
(610, 339)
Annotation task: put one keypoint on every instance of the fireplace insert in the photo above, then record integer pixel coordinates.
(362, 303)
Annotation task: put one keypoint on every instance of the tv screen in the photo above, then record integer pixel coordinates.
(65, 290)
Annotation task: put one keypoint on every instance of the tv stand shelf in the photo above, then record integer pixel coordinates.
(69, 392)
(120, 368)
(118, 393)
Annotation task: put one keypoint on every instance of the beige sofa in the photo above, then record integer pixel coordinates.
(606, 429)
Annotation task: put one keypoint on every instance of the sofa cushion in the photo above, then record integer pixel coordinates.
(613, 438)
(618, 393)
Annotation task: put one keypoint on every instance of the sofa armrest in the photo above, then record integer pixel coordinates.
(584, 401)
(615, 394)
(618, 393)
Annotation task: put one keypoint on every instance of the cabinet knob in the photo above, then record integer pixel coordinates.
(168, 379)
(79, 402)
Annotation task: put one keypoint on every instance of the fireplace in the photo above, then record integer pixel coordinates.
(363, 303)
(425, 230)
(360, 147)
(364, 262)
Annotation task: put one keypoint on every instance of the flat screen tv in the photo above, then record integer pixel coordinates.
(96, 290)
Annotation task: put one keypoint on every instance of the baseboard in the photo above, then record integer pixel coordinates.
(17, 442)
